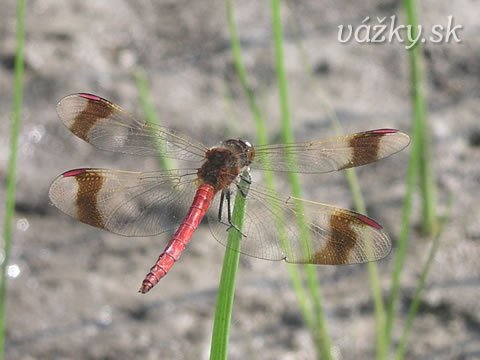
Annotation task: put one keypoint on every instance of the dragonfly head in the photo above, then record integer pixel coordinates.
(242, 148)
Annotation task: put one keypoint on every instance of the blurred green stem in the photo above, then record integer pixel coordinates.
(356, 195)
(321, 333)
(421, 285)
(417, 80)
(263, 140)
(11, 178)
(419, 168)
(150, 114)
(403, 238)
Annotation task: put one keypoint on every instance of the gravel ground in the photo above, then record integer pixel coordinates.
(75, 296)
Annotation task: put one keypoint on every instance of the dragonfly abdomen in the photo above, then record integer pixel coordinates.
(202, 200)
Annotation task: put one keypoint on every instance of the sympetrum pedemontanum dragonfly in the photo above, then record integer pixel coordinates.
(140, 203)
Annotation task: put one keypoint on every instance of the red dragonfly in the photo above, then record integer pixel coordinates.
(141, 203)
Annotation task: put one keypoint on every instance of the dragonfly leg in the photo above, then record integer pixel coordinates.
(248, 180)
(227, 195)
(220, 208)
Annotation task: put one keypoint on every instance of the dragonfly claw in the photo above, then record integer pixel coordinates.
(231, 226)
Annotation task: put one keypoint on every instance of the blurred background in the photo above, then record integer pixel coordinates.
(73, 288)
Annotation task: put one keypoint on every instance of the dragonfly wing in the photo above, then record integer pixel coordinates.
(124, 202)
(335, 236)
(331, 154)
(108, 127)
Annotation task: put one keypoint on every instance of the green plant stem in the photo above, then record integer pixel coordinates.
(419, 168)
(262, 140)
(371, 266)
(357, 198)
(417, 78)
(421, 285)
(287, 135)
(144, 94)
(226, 290)
(403, 238)
(11, 178)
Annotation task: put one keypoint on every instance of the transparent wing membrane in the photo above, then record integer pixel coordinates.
(141, 204)
(335, 235)
(123, 202)
(331, 154)
(108, 127)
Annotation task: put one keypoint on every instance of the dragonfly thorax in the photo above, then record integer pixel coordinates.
(225, 162)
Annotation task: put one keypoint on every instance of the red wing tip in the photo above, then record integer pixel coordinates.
(73, 172)
(369, 221)
(90, 96)
(384, 131)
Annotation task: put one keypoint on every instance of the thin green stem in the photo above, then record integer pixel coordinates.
(287, 135)
(226, 290)
(419, 168)
(11, 178)
(144, 94)
(262, 140)
(420, 287)
(356, 195)
(403, 238)
(417, 78)
(371, 266)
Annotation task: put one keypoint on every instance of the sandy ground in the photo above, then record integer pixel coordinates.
(75, 296)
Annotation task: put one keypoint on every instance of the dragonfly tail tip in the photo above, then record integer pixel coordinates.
(146, 286)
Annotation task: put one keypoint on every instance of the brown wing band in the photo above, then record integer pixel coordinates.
(87, 118)
(89, 186)
(341, 242)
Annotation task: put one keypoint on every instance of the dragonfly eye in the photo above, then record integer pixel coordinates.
(242, 148)
(248, 152)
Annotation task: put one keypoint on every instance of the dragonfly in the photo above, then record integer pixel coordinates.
(131, 203)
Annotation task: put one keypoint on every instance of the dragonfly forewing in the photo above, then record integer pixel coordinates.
(331, 154)
(108, 127)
